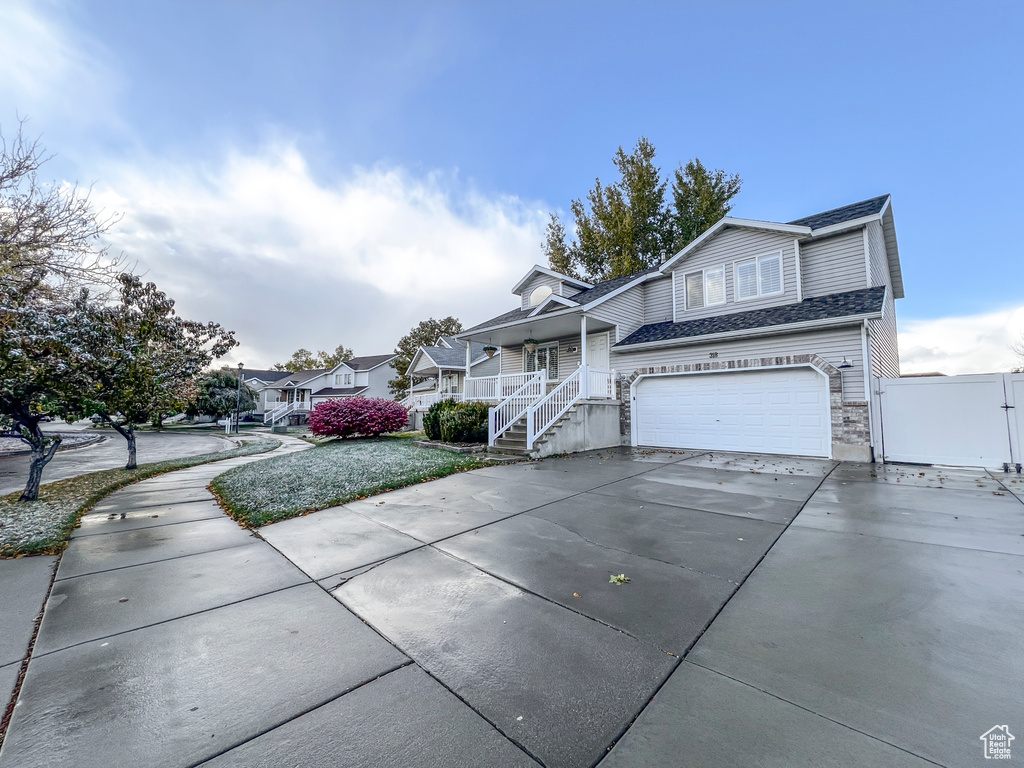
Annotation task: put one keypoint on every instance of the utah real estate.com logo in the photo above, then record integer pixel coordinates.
(997, 742)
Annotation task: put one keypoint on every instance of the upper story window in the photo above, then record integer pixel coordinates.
(546, 356)
(343, 379)
(539, 293)
(759, 277)
(705, 288)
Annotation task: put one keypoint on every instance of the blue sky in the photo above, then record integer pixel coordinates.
(322, 172)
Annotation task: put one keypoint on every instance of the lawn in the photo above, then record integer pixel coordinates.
(44, 526)
(330, 474)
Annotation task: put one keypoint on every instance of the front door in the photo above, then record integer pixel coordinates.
(597, 351)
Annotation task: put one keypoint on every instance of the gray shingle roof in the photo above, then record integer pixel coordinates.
(268, 376)
(849, 304)
(846, 213)
(366, 362)
(339, 392)
(299, 377)
(581, 298)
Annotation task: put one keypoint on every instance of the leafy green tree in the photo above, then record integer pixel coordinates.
(217, 392)
(43, 350)
(625, 227)
(425, 334)
(304, 360)
(144, 360)
(701, 197)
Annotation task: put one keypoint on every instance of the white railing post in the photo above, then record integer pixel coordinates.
(585, 384)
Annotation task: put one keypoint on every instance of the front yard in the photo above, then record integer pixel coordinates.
(330, 474)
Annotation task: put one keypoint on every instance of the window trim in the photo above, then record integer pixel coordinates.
(757, 261)
(545, 345)
(704, 288)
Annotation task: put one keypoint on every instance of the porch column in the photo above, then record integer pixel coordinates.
(584, 374)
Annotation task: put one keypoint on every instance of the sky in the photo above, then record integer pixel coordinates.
(311, 174)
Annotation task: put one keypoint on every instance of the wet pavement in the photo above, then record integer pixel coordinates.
(109, 453)
(778, 613)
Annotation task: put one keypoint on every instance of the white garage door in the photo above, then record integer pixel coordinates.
(774, 411)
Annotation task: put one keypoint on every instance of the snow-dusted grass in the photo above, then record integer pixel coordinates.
(43, 527)
(330, 474)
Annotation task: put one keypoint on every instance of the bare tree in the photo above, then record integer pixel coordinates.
(1018, 350)
(50, 236)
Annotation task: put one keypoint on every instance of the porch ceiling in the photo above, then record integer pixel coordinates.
(540, 328)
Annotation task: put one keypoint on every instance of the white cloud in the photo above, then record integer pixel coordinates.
(263, 247)
(955, 345)
(63, 81)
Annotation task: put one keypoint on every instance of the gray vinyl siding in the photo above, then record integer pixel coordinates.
(725, 249)
(657, 300)
(882, 340)
(487, 368)
(833, 264)
(378, 382)
(832, 345)
(553, 283)
(512, 357)
(625, 312)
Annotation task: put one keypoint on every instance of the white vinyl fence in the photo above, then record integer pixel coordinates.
(966, 421)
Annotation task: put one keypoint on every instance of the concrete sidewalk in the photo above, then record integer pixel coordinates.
(779, 612)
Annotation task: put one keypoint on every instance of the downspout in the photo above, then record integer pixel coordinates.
(799, 273)
(869, 387)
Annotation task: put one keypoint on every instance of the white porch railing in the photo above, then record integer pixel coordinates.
(282, 409)
(495, 387)
(511, 409)
(583, 383)
(423, 400)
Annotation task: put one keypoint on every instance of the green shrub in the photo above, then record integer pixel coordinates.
(466, 423)
(432, 418)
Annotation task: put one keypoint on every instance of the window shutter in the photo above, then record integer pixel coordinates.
(770, 268)
(694, 290)
(715, 285)
(746, 279)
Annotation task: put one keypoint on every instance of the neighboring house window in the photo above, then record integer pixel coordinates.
(343, 379)
(759, 277)
(705, 288)
(546, 356)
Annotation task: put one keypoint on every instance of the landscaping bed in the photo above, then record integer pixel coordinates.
(44, 526)
(328, 475)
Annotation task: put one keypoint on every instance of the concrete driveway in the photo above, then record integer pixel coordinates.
(110, 453)
(778, 612)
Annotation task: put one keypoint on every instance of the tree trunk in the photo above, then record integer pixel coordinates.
(41, 455)
(127, 434)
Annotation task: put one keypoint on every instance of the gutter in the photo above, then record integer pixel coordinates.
(770, 330)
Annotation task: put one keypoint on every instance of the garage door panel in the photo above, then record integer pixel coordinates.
(777, 411)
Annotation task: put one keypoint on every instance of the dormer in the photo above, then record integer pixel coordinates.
(541, 283)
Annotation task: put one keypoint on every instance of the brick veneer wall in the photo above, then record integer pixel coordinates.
(850, 424)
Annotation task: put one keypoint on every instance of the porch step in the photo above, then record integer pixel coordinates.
(513, 441)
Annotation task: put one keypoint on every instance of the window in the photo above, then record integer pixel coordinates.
(705, 288)
(759, 277)
(343, 379)
(540, 293)
(546, 356)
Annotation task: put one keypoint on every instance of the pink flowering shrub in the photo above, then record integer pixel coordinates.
(349, 416)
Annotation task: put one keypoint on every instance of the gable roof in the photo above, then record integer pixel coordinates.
(453, 355)
(367, 362)
(850, 304)
(539, 270)
(298, 378)
(265, 376)
(845, 213)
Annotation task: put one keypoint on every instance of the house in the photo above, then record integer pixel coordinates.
(445, 365)
(758, 336)
(258, 380)
(290, 398)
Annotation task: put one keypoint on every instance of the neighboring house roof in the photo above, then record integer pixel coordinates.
(452, 356)
(366, 362)
(298, 378)
(425, 385)
(834, 306)
(339, 392)
(871, 207)
(265, 376)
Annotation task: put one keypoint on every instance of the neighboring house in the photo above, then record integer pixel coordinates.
(291, 397)
(445, 365)
(758, 336)
(258, 381)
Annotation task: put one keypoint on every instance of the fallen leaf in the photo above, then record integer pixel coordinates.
(618, 580)
(575, 594)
